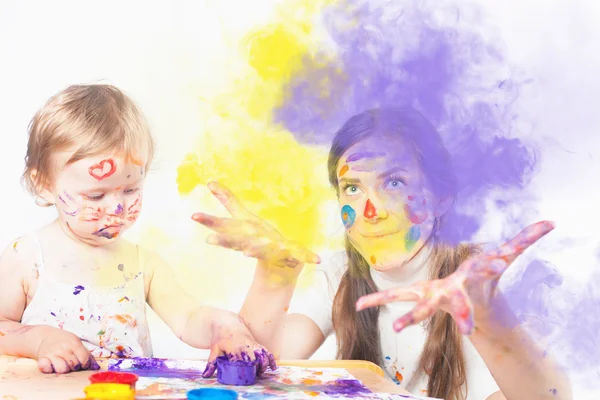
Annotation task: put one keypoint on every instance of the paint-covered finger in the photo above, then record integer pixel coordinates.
(309, 257)
(262, 361)
(272, 361)
(94, 364)
(217, 224)
(420, 312)
(59, 365)
(528, 236)
(245, 356)
(83, 356)
(211, 365)
(229, 201)
(461, 310)
(411, 293)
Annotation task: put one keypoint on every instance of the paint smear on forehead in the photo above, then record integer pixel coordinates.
(361, 155)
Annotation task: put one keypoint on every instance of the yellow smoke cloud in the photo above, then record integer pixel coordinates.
(273, 175)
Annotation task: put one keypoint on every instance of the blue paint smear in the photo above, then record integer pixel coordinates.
(348, 216)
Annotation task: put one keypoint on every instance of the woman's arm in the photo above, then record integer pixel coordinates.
(280, 262)
(265, 311)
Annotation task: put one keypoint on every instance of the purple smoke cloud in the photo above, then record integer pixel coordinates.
(436, 60)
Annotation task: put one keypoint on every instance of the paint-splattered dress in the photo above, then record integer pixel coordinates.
(401, 351)
(110, 321)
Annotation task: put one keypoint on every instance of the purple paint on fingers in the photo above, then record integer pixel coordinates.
(262, 361)
(210, 369)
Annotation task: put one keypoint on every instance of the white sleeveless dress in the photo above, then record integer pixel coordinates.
(110, 321)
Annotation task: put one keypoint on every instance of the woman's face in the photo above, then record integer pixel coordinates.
(386, 208)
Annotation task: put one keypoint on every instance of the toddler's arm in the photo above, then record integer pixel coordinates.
(204, 327)
(56, 350)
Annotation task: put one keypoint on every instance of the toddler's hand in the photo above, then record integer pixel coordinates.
(232, 338)
(62, 352)
(254, 237)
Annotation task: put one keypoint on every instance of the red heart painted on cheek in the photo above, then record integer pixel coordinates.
(97, 171)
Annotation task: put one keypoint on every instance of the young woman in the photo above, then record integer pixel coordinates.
(394, 182)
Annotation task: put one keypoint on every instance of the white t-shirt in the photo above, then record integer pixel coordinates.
(401, 351)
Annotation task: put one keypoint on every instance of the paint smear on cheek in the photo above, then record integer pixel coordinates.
(411, 237)
(416, 210)
(70, 208)
(90, 214)
(103, 169)
(348, 216)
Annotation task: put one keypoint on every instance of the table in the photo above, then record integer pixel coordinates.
(20, 378)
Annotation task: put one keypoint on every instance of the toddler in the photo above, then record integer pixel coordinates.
(75, 290)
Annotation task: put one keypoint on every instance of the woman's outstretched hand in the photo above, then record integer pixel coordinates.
(472, 286)
(254, 237)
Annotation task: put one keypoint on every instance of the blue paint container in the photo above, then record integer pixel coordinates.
(212, 394)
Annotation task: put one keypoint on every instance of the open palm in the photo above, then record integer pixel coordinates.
(472, 285)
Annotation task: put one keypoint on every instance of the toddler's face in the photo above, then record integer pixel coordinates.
(98, 198)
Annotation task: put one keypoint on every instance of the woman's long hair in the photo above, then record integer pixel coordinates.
(358, 333)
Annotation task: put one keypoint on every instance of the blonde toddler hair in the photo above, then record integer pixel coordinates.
(89, 119)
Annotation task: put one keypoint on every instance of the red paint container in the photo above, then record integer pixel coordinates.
(125, 378)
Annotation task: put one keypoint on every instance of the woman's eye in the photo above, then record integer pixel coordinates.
(351, 189)
(394, 184)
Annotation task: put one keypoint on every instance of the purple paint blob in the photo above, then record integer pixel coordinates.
(345, 387)
(238, 373)
(433, 59)
(78, 289)
(119, 209)
(54, 315)
(155, 368)
(121, 267)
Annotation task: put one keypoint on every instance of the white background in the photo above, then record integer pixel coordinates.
(161, 52)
